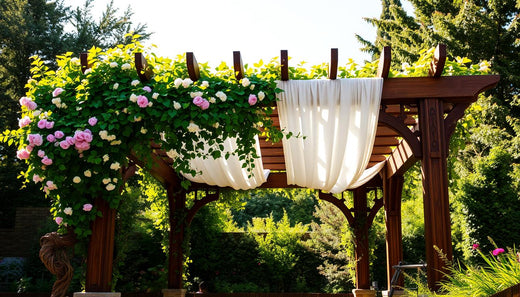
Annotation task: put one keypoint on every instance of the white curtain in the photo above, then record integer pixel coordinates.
(228, 173)
(336, 122)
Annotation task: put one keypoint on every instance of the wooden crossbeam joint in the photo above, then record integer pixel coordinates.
(438, 62)
(284, 62)
(237, 65)
(193, 66)
(333, 66)
(144, 72)
(383, 69)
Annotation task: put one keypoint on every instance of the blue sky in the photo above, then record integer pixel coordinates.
(259, 29)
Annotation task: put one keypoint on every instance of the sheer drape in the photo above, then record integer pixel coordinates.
(336, 121)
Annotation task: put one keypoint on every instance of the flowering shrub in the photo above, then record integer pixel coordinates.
(76, 130)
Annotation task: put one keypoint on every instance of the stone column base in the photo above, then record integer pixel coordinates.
(396, 293)
(173, 293)
(97, 294)
(364, 293)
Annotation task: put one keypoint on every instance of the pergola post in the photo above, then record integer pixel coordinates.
(435, 188)
(392, 192)
(361, 234)
(101, 249)
(176, 202)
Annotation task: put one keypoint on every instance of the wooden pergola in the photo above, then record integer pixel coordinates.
(417, 118)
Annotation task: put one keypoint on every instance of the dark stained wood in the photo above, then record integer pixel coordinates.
(382, 150)
(83, 58)
(362, 251)
(392, 191)
(333, 66)
(144, 72)
(193, 66)
(340, 204)
(383, 69)
(455, 89)
(237, 65)
(435, 189)
(284, 62)
(199, 203)
(450, 122)
(400, 160)
(386, 141)
(177, 209)
(101, 249)
(402, 129)
(439, 59)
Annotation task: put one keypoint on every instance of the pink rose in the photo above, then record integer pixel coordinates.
(498, 251)
(24, 101)
(59, 134)
(31, 105)
(51, 138)
(82, 145)
(70, 140)
(64, 144)
(147, 89)
(57, 92)
(58, 220)
(35, 139)
(46, 160)
(42, 124)
(92, 121)
(49, 125)
(475, 246)
(37, 178)
(142, 101)
(198, 101)
(87, 207)
(50, 185)
(24, 122)
(27, 102)
(29, 148)
(23, 154)
(41, 153)
(205, 105)
(252, 99)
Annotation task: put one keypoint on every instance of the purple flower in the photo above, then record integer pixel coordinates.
(42, 124)
(49, 125)
(252, 99)
(147, 89)
(57, 92)
(58, 220)
(92, 121)
(142, 101)
(59, 134)
(498, 251)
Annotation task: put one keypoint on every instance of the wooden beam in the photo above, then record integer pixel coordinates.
(400, 160)
(238, 66)
(284, 62)
(401, 128)
(83, 58)
(361, 226)
(144, 72)
(439, 59)
(450, 122)
(455, 89)
(193, 66)
(333, 66)
(383, 69)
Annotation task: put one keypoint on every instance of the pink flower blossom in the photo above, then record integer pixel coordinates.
(42, 124)
(41, 153)
(35, 139)
(58, 220)
(57, 92)
(475, 246)
(59, 134)
(29, 148)
(147, 89)
(201, 102)
(27, 102)
(70, 140)
(24, 121)
(50, 185)
(49, 125)
(31, 105)
(24, 100)
(64, 144)
(82, 146)
(36, 178)
(92, 121)
(498, 251)
(252, 99)
(46, 160)
(51, 138)
(87, 207)
(23, 154)
(142, 101)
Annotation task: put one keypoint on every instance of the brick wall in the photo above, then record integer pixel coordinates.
(17, 242)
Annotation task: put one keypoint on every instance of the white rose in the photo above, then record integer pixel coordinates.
(212, 100)
(245, 82)
(143, 130)
(177, 82)
(186, 82)
(252, 87)
(110, 187)
(137, 119)
(37, 113)
(155, 95)
(221, 96)
(172, 154)
(116, 142)
(126, 66)
(115, 166)
(115, 86)
(68, 211)
(114, 180)
(216, 125)
(135, 82)
(56, 101)
(150, 104)
(261, 95)
(87, 71)
(76, 179)
(176, 105)
(133, 98)
(192, 127)
(74, 61)
(205, 84)
(106, 158)
(103, 134)
(195, 94)
(113, 65)
(87, 173)
(106, 180)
